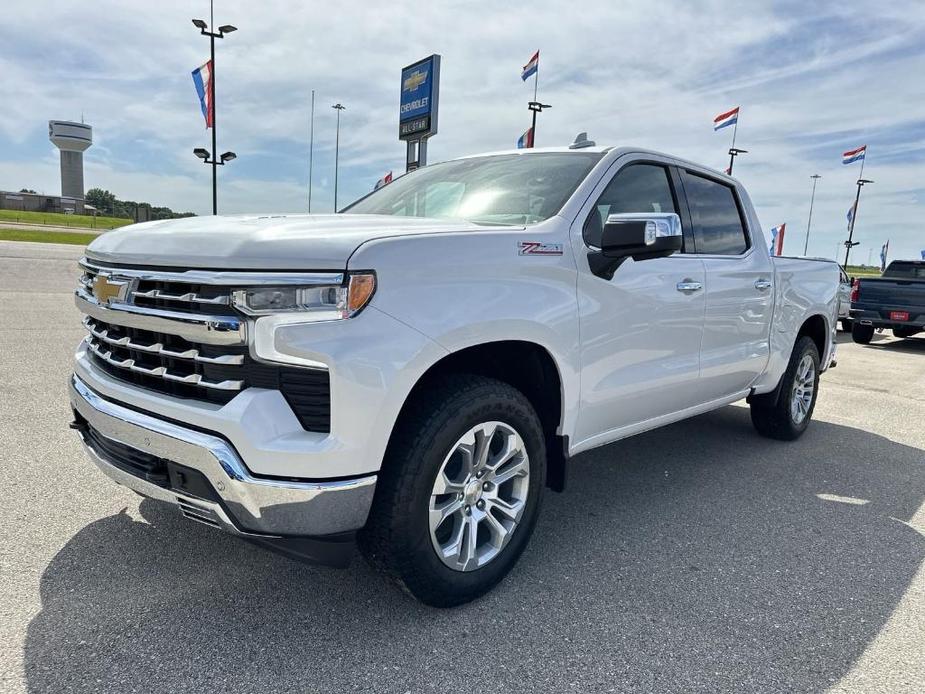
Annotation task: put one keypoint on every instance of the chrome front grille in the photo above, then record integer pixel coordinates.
(177, 333)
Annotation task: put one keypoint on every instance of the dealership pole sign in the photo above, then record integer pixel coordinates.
(418, 107)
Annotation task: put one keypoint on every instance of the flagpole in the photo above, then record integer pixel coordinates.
(809, 223)
(311, 151)
(536, 83)
(214, 110)
(854, 217)
(732, 149)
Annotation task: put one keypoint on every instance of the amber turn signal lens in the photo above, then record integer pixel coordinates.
(361, 290)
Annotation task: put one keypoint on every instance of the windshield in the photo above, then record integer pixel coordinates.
(502, 189)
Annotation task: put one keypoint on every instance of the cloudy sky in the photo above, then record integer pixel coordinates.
(812, 79)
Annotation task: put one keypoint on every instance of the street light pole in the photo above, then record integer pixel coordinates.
(337, 107)
(220, 34)
(812, 199)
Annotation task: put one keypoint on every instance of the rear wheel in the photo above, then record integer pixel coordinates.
(787, 418)
(904, 332)
(459, 492)
(862, 333)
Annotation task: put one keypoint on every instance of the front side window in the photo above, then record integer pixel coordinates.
(635, 188)
(502, 189)
(718, 227)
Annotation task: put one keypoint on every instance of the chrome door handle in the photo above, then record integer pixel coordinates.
(762, 284)
(688, 286)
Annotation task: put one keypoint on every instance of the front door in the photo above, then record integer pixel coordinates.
(641, 330)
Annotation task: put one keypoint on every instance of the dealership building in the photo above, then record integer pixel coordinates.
(34, 202)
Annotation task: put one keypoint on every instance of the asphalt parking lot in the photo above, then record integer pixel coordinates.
(699, 557)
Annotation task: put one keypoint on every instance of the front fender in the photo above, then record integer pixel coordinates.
(463, 290)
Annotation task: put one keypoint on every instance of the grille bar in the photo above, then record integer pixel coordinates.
(216, 330)
(125, 341)
(161, 371)
(188, 297)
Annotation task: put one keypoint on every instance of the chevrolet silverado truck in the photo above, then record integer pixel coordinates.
(894, 301)
(409, 374)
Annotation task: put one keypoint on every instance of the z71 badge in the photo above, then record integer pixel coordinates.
(537, 248)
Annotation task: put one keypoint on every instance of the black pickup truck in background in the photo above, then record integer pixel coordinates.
(895, 300)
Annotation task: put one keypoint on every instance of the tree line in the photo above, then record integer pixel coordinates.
(108, 204)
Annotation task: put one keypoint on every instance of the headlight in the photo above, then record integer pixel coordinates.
(326, 302)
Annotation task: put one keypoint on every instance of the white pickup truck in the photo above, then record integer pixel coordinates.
(412, 372)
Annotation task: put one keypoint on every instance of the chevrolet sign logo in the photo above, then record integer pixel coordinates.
(413, 81)
(106, 289)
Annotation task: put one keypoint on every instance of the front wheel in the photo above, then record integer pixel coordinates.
(787, 418)
(459, 492)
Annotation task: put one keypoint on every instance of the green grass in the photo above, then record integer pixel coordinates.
(858, 271)
(63, 220)
(41, 236)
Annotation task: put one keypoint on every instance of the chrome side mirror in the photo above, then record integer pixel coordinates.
(639, 236)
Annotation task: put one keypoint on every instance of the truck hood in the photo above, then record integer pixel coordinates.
(251, 242)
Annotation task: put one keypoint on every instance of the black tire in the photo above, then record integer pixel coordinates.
(903, 333)
(397, 538)
(845, 324)
(773, 418)
(862, 334)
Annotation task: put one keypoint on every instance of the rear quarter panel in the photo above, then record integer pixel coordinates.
(803, 288)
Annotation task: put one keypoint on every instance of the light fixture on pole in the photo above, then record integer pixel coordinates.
(337, 107)
(536, 107)
(220, 34)
(812, 199)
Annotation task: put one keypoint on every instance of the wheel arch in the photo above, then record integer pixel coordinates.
(816, 327)
(527, 366)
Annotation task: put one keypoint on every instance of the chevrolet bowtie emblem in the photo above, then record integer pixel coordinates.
(414, 80)
(107, 289)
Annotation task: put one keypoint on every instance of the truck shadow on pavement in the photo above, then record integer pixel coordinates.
(698, 557)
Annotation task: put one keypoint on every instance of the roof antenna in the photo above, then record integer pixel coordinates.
(581, 141)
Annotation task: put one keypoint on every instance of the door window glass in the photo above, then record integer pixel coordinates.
(635, 188)
(718, 228)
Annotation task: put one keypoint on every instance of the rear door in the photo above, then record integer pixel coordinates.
(739, 287)
(640, 331)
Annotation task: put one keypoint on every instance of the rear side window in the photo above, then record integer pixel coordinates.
(635, 188)
(718, 227)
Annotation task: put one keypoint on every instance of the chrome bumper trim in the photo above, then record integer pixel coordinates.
(251, 506)
(213, 330)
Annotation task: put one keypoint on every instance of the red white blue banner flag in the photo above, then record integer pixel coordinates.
(850, 214)
(777, 240)
(854, 155)
(202, 78)
(384, 181)
(531, 67)
(526, 140)
(726, 119)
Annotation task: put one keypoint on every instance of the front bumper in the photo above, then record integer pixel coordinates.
(210, 483)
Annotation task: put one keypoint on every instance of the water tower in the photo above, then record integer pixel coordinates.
(72, 139)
